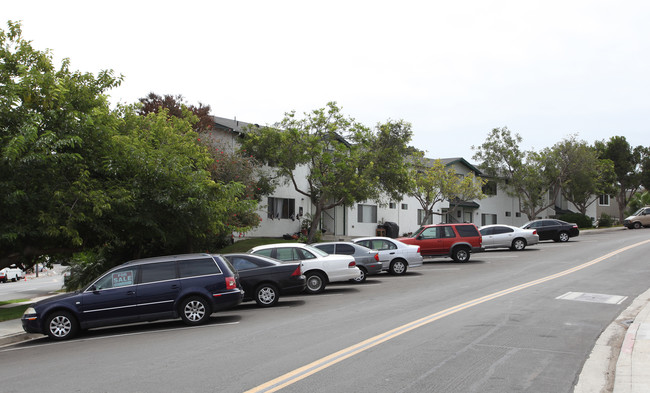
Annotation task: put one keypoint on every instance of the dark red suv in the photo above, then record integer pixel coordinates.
(454, 240)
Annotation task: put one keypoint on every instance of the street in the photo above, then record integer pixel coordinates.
(505, 321)
(46, 283)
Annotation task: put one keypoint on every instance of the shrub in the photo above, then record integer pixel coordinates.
(605, 221)
(582, 220)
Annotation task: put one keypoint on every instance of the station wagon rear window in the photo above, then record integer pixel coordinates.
(198, 267)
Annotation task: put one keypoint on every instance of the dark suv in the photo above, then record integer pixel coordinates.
(453, 240)
(191, 287)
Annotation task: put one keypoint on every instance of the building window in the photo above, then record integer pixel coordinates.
(489, 188)
(518, 214)
(392, 205)
(603, 200)
(421, 214)
(281, 208)
(488, 219)
(405, 206)
(367, 213)
(508, 214)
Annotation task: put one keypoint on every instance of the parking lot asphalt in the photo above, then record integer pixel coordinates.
(628, 359)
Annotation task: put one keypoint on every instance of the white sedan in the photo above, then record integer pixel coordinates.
(507, 236)
(319, 267)
(395, 256)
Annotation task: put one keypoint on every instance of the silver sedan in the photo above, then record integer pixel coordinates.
(507, 236)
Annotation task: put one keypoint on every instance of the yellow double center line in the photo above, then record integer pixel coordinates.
(320, 364)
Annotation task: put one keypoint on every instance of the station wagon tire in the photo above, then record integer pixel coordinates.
(61, 325)
(637, 225)
(315, 283)
(266, 295)
(460, 254)
(195, 310)
(563, 237)
(518, 245)
(397, 267)
(362, 276)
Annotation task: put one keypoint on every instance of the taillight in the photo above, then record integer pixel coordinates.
(231, 283)
(534, 231)
(377, 257)
(418, 249)
(296, 272)
(352, 264)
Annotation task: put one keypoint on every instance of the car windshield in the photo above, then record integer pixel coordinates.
(639, 212)
(417, 233)
(316, 251)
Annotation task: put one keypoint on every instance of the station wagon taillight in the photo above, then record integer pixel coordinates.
(231, 283)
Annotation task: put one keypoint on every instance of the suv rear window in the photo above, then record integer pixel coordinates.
(467, 230)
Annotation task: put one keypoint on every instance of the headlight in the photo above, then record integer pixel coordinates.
(30, 310)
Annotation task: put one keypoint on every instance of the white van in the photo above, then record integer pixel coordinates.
(641, 218)
(12, 273)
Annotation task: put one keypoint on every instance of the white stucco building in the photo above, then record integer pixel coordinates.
(283, 211)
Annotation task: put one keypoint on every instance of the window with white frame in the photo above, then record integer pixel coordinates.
(405, 206)
(603, 200)
(392, 205)
(367, 213)
(421, 214)
(279, 208)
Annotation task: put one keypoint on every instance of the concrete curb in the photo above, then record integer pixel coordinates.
(605, 369)
(17, 338)
(633, 365)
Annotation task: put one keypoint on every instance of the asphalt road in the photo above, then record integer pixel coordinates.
(503, 322)
(45, 284)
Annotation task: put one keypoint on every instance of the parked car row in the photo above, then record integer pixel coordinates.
(193, 286)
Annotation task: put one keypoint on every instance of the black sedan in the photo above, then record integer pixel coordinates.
(550, 229)
(264, 279)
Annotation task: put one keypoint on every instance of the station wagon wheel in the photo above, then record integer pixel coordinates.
(637, 225)
(315, 283)
(518, 245)
(397, 267)
(61, 325)
(362, 276)
(195, 310)
(563, 237)
(266, 295)
(460, 254)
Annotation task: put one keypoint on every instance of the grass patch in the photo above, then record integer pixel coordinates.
(9, 313)
(5, 302)
(245, 245)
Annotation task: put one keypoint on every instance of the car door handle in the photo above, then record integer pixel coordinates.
(175, 286)
(130, 293)
(391, 253)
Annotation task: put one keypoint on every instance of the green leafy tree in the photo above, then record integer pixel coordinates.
(345, 161)
(227, 166)
(435, 183)
(585, 176)
(529, 176)
(53, 128)
(627, 163)
(107, 185)
(638, 200)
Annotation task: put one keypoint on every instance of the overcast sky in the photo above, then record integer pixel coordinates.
(453, 69)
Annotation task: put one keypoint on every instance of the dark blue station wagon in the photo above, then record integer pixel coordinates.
(191, 287)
